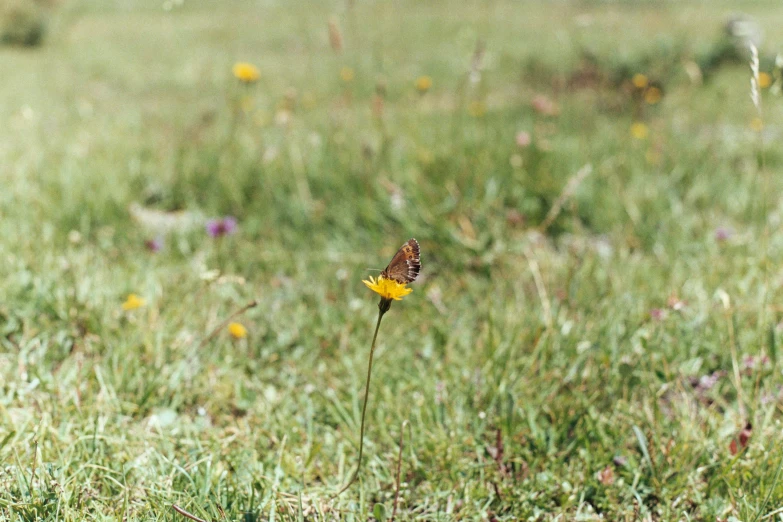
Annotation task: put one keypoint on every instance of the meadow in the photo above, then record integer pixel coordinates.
(595, 332)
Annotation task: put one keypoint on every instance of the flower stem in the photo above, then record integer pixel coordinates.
(382, 309)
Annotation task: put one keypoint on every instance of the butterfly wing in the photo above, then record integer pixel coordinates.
(406, 263)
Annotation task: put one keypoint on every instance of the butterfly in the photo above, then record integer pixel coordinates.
(405, 265)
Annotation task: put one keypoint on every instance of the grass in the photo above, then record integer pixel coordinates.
(602, 368)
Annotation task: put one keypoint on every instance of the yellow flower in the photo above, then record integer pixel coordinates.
(639, 130)
(652, 95)
(423, 84)
(237, 330)
(388, 288)
(765, 80)
(346, 73)
(132, 302)
(246, 72)
(639, 81)
(757, 124)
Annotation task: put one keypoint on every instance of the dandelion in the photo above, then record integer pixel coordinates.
(652, 95)
(237, 330)
(639, 80)
(246, 72)
(757, 124)
(423, 84)
(388, 289)
(765, 80)
(405, 267)
(639, 130)
(222, 226)
(346, 74)
(133, 302)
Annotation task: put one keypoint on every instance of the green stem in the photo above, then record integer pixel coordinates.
(381, 310)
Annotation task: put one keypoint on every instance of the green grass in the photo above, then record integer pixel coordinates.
(548, 342)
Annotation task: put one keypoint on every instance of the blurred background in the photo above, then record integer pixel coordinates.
(414, 111)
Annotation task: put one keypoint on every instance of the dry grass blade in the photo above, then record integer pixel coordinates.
(186, 514)
(225, 322)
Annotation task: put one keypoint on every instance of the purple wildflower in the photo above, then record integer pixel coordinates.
(154, 245)
(750, 362)
(706, 382)
(723, 233)
(658, 314)
(222, 226)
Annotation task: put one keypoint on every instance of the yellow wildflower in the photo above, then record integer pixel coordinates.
(765, 80)
(347, 74)
(423, 84)
(133, 302)
(246, 72)
(652, 95)
(639, 81)
(757, 124)
(639, 130)
(388, 288)
(237, 330)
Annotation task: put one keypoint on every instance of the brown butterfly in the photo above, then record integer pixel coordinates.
(405, 265)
